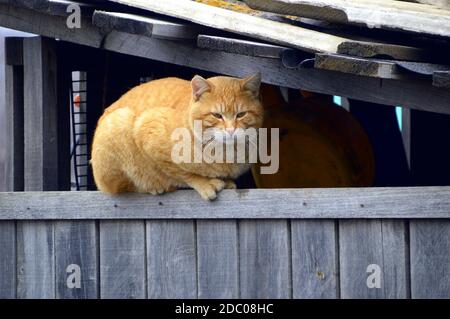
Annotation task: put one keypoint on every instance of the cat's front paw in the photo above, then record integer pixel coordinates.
(208, 190)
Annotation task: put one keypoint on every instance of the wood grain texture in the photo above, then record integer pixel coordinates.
(28, 20)
(380, 242)
(315, 269)
(430, 259)
(368, 49)
(35, 260)
(358, 66)
(264, 259)
(122, 260)
(76, 244)
(171, 259)
(8, 260)
(391, 15)
(379, 202)
(35, 240)
(256, 27)
(150, 27)
(416, 94)
(237, 46)
(218, 259)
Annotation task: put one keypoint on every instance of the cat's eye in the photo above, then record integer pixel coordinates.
(240, 114)
(217, 115)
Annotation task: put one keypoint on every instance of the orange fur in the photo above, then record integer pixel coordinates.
(132, 145)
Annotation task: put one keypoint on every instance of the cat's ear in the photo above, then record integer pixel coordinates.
(199, 86)
(252, 84)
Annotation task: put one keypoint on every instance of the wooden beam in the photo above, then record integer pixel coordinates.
(414, 94)
(256, 27)
(145, 26)
(15, 112)
(367, 49)
(373, 68)
(395, 202)
(237, 46)
(380, 14)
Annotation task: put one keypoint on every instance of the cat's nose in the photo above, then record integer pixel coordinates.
(230, 130)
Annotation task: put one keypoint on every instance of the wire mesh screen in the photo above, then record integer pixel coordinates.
(79, 147)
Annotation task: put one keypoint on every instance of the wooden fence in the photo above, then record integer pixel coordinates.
(296, 243)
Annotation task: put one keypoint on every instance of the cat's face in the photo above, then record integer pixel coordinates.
(226, 107)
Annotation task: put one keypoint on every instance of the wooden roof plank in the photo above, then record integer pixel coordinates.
(380, 14)
(379, 202)
(146, 26)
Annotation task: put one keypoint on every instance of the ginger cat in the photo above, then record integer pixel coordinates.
(132, 146)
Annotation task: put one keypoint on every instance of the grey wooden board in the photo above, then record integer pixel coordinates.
(35, 260)
(315, 259)
(380, 242)
(217, 259)
(379, 202)
(171, 259)
(237, 46)
(15, 124)
(40, 115)
(23, 19)
(35, 240)
(373, 50)
(7, 260)
(441, 79)
(430, 258)
(415, 94)
(358, 66)
(5, 164)
(122, 260)
(76, 244)
(264, 259)
(255, 27)
(391, 15)
(145, 26)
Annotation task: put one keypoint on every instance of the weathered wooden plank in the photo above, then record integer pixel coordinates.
(392, 15)
(171, 259)
(131, 23)
(40, 115)
(238, 46)
(28, 20)
(379, 202)
(441, 79)
(76, 260)
(8, 260)
(14, 113)
(358, 66)
(415, 93)
(122, 259)
(218, 260)
(430, 258)
(314, 259)
(264, 259)
(35, 240)
(256, 27)
(35, 260)
(367, 49)
(373, 259)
